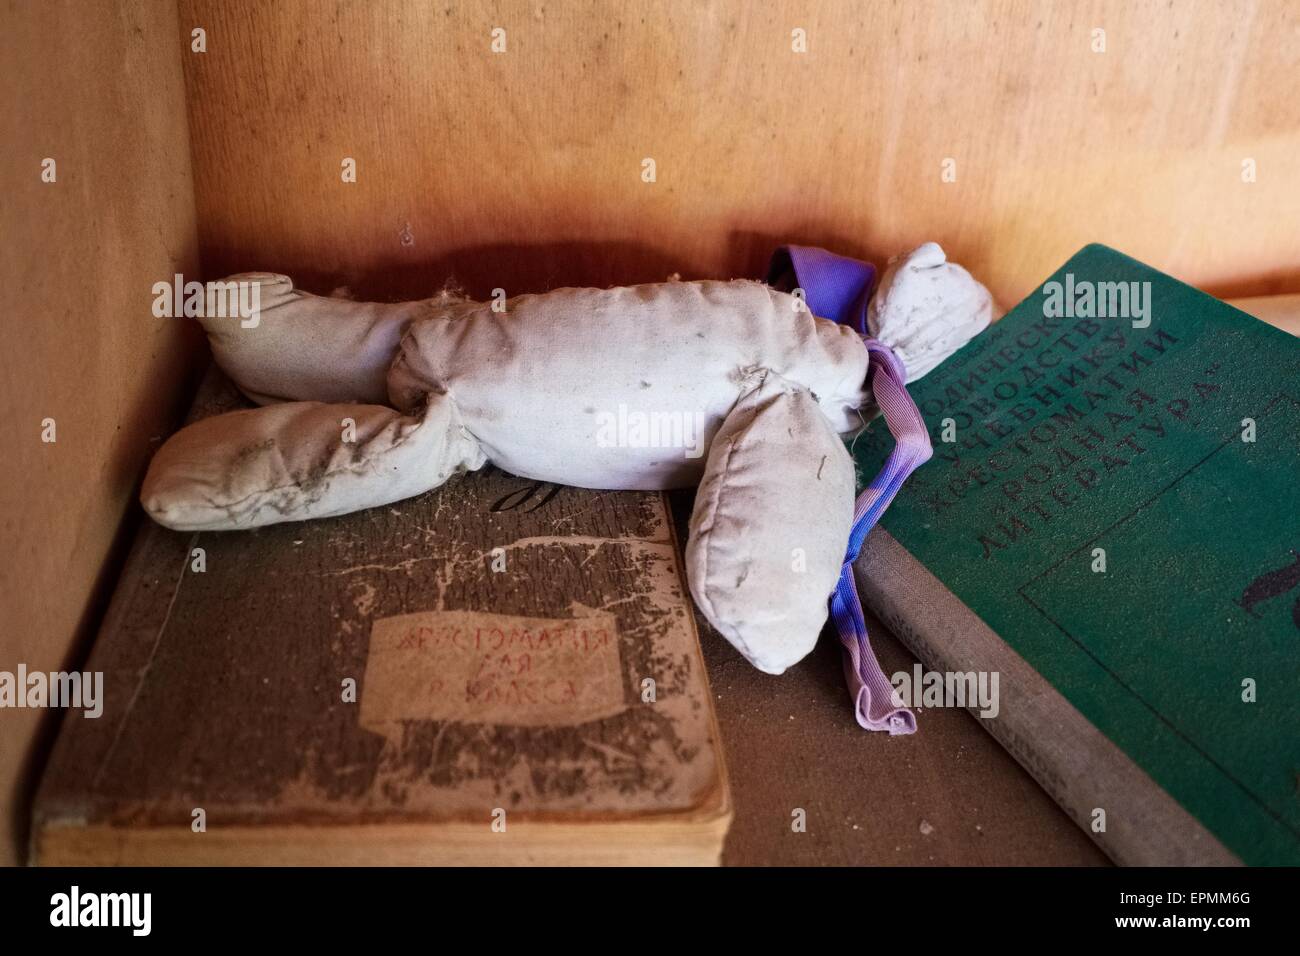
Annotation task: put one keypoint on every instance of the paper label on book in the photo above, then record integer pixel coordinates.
(492, 669)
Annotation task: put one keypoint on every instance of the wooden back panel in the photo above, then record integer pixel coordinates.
(524, 169)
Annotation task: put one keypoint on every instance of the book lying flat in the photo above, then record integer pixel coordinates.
(1113, 526)
(498, 671)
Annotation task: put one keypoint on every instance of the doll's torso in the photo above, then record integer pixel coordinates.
(623, 387)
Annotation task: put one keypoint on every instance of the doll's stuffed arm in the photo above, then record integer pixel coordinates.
(299, 460)
(770, 525)
(307, 454)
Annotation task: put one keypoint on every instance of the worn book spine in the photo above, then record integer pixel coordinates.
(1070, 758)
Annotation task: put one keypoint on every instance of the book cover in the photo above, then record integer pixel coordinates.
(1111, 518)
(498, 671)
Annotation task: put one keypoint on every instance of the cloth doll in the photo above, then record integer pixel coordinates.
(753, 389)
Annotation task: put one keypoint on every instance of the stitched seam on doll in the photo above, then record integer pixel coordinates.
(728, 630)
(704, 536)
(718, 497)
(401, 360)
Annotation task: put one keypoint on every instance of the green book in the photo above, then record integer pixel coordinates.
(1111, 523)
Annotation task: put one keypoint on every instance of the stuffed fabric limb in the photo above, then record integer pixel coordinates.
(308, 454)
(770, 525)
(299, 460)
(306, 347)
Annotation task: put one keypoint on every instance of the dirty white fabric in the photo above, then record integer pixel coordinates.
(299, 460)
(624, 387)
(309, 348)
(645, 387)
(927, 308)
(771, 520)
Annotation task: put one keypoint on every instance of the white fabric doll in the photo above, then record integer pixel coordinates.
(364, 404)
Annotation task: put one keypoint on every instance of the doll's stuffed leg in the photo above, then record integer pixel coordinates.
(299, 460)
(770, 526)
(303, 347)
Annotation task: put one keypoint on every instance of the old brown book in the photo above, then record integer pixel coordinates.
(499, 671)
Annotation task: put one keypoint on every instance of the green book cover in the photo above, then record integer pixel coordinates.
(1114, 493)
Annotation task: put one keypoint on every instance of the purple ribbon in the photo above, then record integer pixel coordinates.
(838, 288)
(834, 287)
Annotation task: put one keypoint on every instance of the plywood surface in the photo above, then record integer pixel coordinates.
(98, 89)
(523, 169)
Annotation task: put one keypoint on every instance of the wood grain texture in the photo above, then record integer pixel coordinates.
(98, 88)
(225, 690)
(522, 170)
